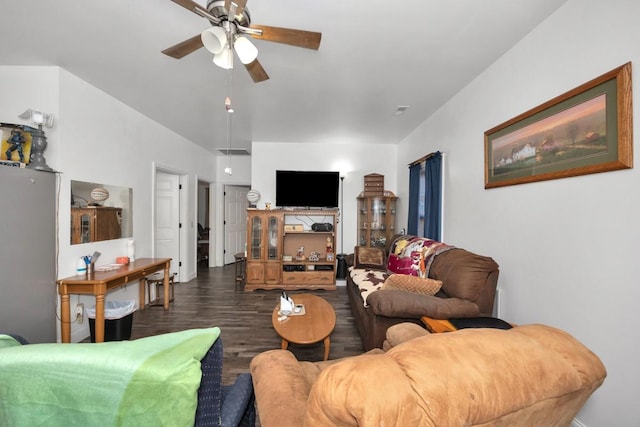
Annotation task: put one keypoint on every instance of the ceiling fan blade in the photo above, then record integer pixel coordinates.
(189, 5)
(184, 48)
(257, 73)
(299, 38)
(240, 4)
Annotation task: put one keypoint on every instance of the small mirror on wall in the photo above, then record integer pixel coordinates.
(100, 212)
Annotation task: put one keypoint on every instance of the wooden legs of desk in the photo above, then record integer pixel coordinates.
(65, 318)
(166, 287)
(141, 293)
(99, 323)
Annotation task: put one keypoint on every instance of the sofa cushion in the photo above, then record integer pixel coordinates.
(418, 285)
(283, 384)
(368, 281)
(465, 275)
(369, 258)
(111, 383)
(529, 375)
(393, 303)
(8, 341)
(402, 332)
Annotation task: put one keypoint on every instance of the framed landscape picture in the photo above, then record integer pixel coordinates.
(15, 143)
(586, 130)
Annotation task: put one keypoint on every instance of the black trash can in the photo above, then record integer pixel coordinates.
(118, 319)
(341, 270)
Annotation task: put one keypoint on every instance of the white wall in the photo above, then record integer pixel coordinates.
(353, 161)
(567, 248)
(97, 138)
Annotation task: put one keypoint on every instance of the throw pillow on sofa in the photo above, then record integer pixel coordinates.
(369, 258)
(412, 255)
(418, 285)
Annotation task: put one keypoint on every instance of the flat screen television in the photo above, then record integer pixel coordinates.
(307, 189)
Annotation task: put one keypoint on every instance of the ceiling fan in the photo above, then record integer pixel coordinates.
(231, 21)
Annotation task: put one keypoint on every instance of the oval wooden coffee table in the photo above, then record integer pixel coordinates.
(314, 326)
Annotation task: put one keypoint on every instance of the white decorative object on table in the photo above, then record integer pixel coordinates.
(131, 250)
(286, 304)
(253, 196)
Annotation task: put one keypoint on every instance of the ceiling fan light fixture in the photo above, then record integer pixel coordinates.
(247, 52)
(214, 39)
(224, 59)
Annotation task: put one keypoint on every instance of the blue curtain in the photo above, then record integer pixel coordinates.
(432, 196)
(414, 199)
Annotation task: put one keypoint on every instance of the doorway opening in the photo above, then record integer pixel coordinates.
(204, 252)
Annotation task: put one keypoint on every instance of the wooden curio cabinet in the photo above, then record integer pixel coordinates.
(95, 223)
(264, 248)
(376, 220)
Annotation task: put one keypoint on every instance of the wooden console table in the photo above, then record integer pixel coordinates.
(101, 282)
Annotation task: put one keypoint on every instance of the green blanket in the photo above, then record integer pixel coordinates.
(149, 381)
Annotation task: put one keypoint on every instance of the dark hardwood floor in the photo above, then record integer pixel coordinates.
(244, 318)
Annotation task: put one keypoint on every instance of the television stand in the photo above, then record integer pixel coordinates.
(283, 252)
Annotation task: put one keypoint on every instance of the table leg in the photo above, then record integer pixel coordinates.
(285, 344)
(141, 292)
(327, 348)
(99, 325)
(65, 318)
(166, 287)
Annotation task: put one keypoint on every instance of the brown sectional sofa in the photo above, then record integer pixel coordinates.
(468, 289)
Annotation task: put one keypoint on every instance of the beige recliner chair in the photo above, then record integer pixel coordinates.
(528, 375)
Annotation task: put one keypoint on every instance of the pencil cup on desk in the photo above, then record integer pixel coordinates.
(81, 267)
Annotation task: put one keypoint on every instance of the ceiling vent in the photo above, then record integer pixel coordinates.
(234, 151)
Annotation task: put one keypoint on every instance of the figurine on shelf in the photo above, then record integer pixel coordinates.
(16, 142)
(329, 245)
(300, 254)
(329, 249)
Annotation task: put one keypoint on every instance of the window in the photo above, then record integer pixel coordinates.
(425, 196)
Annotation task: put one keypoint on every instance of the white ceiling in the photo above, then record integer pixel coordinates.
(374, 56)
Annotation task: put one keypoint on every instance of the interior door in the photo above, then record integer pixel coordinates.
(235, 220)
(167, 219)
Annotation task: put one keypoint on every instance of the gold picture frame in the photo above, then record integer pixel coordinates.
(586, 130)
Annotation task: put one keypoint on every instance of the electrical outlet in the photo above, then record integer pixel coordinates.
(79, 312)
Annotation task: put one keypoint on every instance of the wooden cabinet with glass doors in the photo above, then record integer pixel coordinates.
(285, 252)
(376, 220)
(95, 223)
(264, 249)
